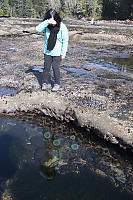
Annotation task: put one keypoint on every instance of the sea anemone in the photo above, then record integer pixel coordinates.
(75, 147)
(72, 137)
(47, 135)
(56, 142)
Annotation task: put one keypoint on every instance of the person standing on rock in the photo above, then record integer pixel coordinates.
(55, 47)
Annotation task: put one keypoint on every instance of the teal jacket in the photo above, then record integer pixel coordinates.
(61, 45)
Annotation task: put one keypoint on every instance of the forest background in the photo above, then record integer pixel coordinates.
(98, 9)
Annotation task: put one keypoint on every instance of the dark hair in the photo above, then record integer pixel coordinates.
(52, 13)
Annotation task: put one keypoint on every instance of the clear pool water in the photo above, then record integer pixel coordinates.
(55, 162)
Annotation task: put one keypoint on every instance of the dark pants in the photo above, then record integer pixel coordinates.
(53, 61)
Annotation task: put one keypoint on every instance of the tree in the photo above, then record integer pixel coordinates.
(5, 8)
(11, 4)
(71, 6)
(62, 6)
(117, 9)
(124, 9)
(40, 6)
(108, 9)
(28, 10)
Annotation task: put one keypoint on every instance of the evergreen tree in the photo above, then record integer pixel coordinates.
(1, 11)
(62, 6)
(131, 10)
(11, 4)
(83, 6)
(117, 9)
(40, 7)
(18, 8)
(28, 10)
(4, 8)
(109, 9)
(124, 9)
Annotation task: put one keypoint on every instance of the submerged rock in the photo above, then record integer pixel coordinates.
(121, 179)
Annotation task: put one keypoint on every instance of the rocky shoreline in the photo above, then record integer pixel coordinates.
(93, 98)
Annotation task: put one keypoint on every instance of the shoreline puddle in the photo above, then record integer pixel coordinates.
(76, 72)
(109, 63)
(5, 91)
(120, 68)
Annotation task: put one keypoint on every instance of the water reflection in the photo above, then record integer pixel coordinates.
(122, 64)
(49, 167)
(112, 63)
(55, 161)
(58, 151)
(4, 91)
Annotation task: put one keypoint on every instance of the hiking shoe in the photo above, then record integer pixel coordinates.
(44, 86)
(55, 88)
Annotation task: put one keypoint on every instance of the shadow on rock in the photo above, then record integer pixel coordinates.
(38, 73)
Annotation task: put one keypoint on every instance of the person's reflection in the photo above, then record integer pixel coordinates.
(49, 167)
(47, 172)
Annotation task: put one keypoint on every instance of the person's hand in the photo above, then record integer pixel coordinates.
(62, 57)
(52, 21)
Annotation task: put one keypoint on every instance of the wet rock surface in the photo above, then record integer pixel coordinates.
(92, 97)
